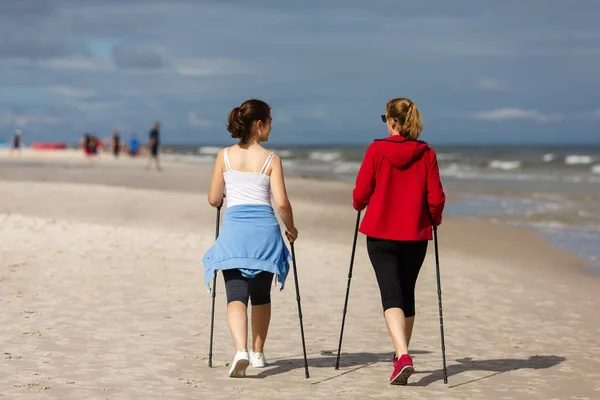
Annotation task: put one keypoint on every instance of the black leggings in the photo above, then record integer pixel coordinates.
(397, 265)
(239, 288)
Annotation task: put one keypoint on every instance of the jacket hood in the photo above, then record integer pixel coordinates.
(399, 151)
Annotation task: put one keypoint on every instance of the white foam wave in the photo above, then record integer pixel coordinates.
(289, 163)
(448, 156)
(189, 158)
(304, 168)
(346, 167)
(504, 165)
(573, 159)
(209, 150)
(324, 156)
(596, 169)
(548, 157)
(284, 153)
(457, 170)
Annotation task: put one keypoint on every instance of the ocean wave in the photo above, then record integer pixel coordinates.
(596, 169)
(448, 156)
(325, 156)
(189, 158)
(284, 153)
(548, 157)
(457, 167)
(505, 165)
(298, 166)
(213, 150)
(457, 170)
(346, 167)
(573, 159)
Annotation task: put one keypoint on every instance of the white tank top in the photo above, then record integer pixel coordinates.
(247, 187)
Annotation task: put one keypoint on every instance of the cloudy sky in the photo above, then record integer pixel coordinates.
(480, 71)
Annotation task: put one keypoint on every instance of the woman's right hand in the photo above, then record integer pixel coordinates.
(292, 234)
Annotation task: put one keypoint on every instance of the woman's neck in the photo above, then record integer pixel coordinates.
(250, 143)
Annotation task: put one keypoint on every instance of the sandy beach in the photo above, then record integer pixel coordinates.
(102, 297)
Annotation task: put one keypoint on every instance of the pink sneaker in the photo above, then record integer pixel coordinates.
(403, 368)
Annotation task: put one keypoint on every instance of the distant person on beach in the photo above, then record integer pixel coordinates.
(133, 145)
(153, 146)
(400, 183)
(95, 144)
(116, 144)
(89, 145)
(16, 142)
(250, 249)
(85, 144)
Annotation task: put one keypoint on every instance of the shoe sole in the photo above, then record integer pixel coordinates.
(403, 375)
(239, 369)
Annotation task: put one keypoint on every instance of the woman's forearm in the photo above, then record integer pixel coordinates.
(287, 215)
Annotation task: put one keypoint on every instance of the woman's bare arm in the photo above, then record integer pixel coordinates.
(280, 198)
(217, 184)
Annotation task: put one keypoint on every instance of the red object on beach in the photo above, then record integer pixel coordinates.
(48, 146)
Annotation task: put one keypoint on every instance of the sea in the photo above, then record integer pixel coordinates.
(554, 190)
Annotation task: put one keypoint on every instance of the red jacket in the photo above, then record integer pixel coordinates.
(400, 182)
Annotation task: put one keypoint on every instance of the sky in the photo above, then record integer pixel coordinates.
(506, 72)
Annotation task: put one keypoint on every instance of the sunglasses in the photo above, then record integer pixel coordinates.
(383, 118)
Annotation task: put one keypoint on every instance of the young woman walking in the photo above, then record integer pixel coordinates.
(250, 249)
(400, 183)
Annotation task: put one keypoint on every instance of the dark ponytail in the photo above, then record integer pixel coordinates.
(240, 120)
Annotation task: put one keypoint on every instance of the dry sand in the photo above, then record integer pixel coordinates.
(102, 297)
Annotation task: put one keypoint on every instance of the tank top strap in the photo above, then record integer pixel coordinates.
(226, 158)
(265, 167)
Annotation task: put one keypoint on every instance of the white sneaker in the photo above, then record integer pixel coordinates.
(258, 360)
(239, 364)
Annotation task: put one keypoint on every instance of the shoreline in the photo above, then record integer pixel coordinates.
(73, 167)
(455, 232)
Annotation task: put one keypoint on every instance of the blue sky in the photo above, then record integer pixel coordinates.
(480, 71)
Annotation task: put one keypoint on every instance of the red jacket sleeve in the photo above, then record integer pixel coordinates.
(436, 199)
(365, 181)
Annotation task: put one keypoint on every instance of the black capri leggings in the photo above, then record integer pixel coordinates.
(397, 265)
(240, 288)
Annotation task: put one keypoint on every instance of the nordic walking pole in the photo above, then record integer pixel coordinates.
(299, 309)
(337, 361)
(214, 294)
(439, 292)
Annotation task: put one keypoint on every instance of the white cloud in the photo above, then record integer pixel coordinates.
(25, 120)
(509, 113)
(490, 85)
(200, 122)
(211, 67)
(81, 64)
(69, 91)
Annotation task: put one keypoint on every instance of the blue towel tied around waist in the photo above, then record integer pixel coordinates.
(250, 240)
